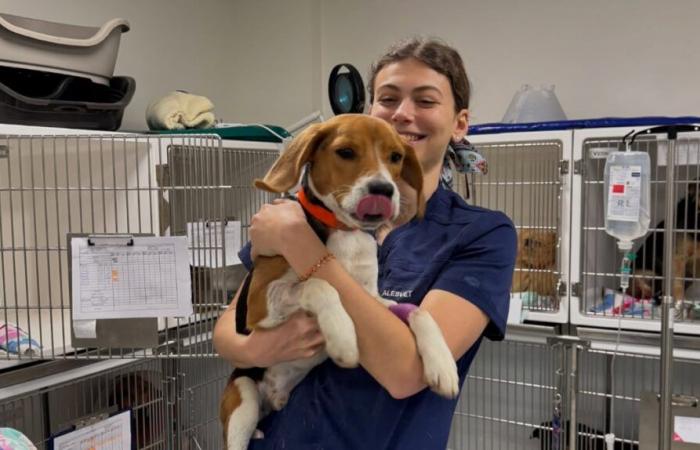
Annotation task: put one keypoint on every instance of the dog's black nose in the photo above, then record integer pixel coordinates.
(381, 188)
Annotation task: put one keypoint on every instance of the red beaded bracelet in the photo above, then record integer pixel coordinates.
(327, 257)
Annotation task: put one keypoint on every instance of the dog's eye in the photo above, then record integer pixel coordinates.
(346, 153)
(396, 157)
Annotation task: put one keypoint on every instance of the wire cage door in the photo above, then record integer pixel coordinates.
(528, 179)
(600, 303)
(58, 186)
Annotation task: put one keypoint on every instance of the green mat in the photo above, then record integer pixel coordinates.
(241, 133)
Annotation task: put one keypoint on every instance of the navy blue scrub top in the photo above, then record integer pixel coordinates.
(462, 249)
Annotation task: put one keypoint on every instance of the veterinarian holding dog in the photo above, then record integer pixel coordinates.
(457, 263)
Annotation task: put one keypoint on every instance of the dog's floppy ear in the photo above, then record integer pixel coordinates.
(285, 172)
(412, 173)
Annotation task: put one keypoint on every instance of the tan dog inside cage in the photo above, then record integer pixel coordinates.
(535, 264)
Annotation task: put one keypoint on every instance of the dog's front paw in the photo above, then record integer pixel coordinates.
(440, 372)
(342, 348)
(439, 367)
(321, 299)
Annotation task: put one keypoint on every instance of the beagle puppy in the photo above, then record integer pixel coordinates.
(353, 164)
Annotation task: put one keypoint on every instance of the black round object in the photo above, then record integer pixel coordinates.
(346, 91)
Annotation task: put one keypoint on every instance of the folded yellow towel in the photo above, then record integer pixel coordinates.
(178, 110)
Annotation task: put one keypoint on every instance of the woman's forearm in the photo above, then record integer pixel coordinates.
(230, 345)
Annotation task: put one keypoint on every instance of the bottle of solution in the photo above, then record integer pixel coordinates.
(627, 196)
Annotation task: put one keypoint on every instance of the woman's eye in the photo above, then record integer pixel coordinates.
(386, 101)
(346, 153)
(427, 102)
(396, 157)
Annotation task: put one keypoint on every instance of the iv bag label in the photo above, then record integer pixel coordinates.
(624, 193)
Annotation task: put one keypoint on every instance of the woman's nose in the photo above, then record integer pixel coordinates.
(404, 112)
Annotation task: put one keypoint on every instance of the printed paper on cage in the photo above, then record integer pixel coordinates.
(214, 244)
(149, 278)
(686, 429)
(113, 433)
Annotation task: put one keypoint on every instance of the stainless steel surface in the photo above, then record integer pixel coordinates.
(667, 305)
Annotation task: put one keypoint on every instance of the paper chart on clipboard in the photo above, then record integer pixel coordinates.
(113, 433)
(149, 278)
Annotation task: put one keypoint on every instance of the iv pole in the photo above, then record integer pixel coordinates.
(667, 305)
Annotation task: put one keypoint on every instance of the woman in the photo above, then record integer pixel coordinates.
(456, 262)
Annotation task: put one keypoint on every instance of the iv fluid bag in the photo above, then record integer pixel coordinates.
(627, 195)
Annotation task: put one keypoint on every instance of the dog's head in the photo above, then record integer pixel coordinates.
(356, 163)
(536, 248)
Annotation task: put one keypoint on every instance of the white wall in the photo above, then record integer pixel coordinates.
(268, 60)
(620, 58)
(253, 59)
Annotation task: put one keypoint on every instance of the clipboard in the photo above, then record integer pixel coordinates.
(682, 406)
(113, 333)
(94, 419)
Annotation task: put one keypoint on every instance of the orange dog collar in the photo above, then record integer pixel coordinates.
(320, 213)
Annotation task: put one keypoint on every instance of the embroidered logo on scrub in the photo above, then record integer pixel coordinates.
(397, 294)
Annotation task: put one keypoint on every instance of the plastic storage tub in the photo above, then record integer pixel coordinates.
(30, 97)
(76, 50)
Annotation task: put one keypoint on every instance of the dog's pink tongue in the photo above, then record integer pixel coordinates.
(374, 205)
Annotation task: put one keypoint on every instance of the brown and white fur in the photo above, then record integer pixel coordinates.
(347, 156)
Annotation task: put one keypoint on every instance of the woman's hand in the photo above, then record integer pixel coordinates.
(297, 338)
(273, 226)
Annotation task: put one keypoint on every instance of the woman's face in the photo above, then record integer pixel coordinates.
(418, 102)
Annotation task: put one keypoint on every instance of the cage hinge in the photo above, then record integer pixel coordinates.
(578, 167)
(563, 167)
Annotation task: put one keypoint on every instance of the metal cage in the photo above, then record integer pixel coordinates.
(143, 185)
(507, 398)
(599, 260)
(527, 179)
(172, 403)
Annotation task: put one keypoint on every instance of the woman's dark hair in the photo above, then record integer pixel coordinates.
(435, 54)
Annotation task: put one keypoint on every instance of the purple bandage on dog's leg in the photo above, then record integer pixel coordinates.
(403, 310)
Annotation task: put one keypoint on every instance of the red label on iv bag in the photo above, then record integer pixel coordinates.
(618, 189)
